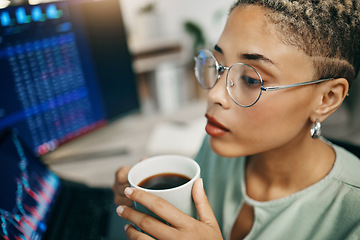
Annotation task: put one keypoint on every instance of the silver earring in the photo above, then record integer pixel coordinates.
(315, 130)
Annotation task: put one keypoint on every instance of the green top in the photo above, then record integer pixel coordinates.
(329, 209)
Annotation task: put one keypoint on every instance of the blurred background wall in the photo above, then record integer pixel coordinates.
(163, 36)
(171, 15)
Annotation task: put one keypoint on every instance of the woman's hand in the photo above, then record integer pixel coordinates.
(182, 226)
(121, 182)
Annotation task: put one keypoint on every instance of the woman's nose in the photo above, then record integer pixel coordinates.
(218, 93)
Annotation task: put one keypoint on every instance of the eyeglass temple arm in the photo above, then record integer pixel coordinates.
(294, 85)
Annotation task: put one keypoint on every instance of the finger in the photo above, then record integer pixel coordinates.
(119, 188)
(132, 233)
(146, 223)
(121, 174)
(159, 206)
(122, 200)
(119, 196)
(202, 204)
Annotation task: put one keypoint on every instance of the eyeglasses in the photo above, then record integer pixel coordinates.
(243, 83)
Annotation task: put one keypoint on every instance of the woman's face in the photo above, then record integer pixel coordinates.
(280, 117)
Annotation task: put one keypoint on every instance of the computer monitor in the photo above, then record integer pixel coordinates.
(65, 70)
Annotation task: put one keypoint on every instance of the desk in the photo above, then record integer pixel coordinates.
(94, 159)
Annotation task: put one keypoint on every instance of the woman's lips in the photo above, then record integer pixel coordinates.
(214, 128)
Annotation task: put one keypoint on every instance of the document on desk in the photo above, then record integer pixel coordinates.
(171, 137)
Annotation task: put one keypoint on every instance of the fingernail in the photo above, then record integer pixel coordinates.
(201, 183)
(119, 210)
(126, 226)
(128, 191)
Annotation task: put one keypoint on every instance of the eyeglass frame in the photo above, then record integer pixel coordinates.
(221, 69)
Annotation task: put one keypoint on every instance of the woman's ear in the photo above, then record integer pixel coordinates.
(332, 94)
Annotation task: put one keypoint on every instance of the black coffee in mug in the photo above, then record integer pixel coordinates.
(164, 181)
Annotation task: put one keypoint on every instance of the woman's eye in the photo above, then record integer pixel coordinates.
(250, 81)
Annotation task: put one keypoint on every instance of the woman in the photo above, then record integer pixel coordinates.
(279, 69)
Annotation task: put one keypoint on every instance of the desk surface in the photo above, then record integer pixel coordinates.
(94, 158)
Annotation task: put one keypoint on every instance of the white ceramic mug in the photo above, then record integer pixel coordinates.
(181, 196)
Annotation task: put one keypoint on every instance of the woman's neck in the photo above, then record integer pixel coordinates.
(287, 170)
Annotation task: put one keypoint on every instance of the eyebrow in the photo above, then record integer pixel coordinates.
(255, 56)
(248, 56)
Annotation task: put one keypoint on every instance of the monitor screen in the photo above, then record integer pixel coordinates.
(28, 190)
(65, 70)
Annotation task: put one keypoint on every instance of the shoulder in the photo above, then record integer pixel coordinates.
(347, 168)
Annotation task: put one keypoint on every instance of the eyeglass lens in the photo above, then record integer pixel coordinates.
(243, 83)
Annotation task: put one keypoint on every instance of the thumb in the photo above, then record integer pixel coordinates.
(202, 204)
